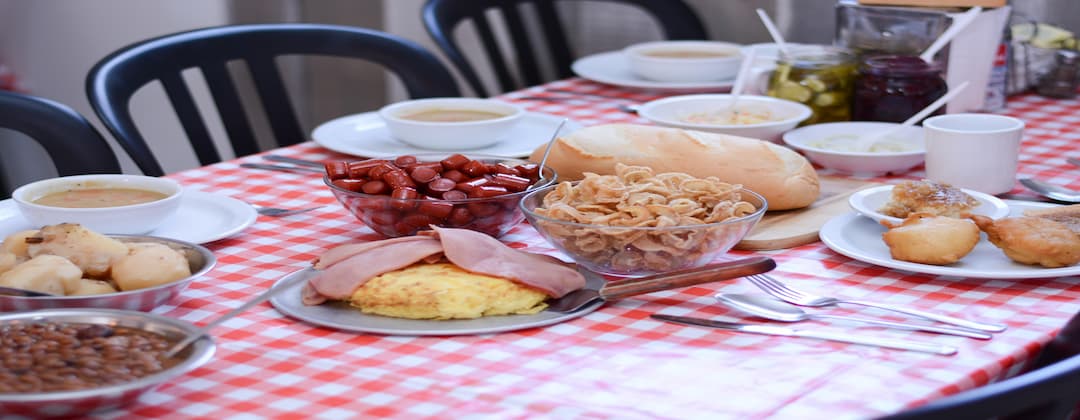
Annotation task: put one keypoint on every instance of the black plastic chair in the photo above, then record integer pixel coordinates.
(74, 145)
(1050, 391)
(676, 19)
(112, 81)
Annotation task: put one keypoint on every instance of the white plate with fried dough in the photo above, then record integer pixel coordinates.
(868, 202)
(859, 237)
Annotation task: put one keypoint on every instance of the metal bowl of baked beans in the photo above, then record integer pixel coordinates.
(72, 362)
(200, 260)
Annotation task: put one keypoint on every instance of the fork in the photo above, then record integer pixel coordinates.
(783, 292)
(279, 212)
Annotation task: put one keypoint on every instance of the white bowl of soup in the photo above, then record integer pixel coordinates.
(457, 124)
(838, 146)
(105, 203)
(753, 116)
(684, 61)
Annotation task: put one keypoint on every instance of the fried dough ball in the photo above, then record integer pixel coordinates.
(926, 196)
(1033, 240)
(927, 239)
(43, 273)
(91, 251)
(149, 264)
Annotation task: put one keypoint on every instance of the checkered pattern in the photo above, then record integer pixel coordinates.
(613, 363)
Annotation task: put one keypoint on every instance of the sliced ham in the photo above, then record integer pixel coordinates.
(346, 268)
(480, 253)
(340, 280)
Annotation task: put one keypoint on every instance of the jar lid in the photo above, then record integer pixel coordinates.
(898, 65)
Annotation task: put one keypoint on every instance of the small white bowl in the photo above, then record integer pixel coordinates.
(832, 145)
(710, 112)
(450, 135)
(869, 201)
(684, 61)
(132, 219)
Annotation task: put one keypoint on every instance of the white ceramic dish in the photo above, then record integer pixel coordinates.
(612, 68)
(366, 135)
(450, 135)
(860, 238)
(841, 156)
(867, 202)
(201, 218)
(125, 220)
(674, 111)
(342, 317)
(684, 61)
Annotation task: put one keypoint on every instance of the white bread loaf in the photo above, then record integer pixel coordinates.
(782, 176)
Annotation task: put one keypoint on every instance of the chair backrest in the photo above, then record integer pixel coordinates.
(676, 19)
(74, 145)
(1049, 392)
(112, 82)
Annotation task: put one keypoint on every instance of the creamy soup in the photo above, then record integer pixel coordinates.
(99, 197)
(686, 54)
(453, 115)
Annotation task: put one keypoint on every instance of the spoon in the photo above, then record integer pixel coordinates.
(864, 144)
(958, 25)
(191, 338)
(773, 32)
(740, 79)
(770, 308)
(547, 151)
(1051, 191)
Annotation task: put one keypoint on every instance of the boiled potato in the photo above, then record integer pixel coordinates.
(147, 265)
(93, 252)
(15, 243)
(7, 261)
(82, 287)
(43, 273)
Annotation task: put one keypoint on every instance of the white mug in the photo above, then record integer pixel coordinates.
(973, 151)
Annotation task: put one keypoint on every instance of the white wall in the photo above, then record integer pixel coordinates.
(51, 44)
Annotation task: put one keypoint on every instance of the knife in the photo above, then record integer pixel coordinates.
(791, 332)
(597, 290)
(294, 161)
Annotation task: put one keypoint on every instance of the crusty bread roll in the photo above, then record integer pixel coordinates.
(782, 176)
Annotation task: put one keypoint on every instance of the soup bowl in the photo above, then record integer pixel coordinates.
(450, 123)
(684, 61)
(101, 202)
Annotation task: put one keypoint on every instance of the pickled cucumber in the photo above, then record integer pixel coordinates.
(823, 82)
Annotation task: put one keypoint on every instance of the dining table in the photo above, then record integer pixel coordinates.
(615, 362)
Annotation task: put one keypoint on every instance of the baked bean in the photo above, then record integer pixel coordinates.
(50, 356)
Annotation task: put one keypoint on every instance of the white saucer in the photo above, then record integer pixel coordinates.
(860, 238)
(612, 68)
(366, 135)
(868, 201)
(201, 218)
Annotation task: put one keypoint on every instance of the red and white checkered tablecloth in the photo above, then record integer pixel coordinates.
(613, 363)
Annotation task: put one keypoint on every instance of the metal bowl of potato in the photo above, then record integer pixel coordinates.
(78, 268)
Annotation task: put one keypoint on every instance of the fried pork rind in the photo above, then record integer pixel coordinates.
(928, 239)
(931, 197)
(635, 197)
(1033, 240)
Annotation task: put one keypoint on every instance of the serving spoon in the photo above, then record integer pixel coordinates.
(14, 291)
(865, 143)
(767, 307)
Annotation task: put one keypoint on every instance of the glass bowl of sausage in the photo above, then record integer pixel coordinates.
(402, 195)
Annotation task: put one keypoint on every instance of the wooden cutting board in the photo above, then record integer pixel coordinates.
(791, 228)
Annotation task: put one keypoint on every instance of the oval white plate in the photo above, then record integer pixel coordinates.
(867, 202)
(612, 68)
(340, 316)
(860, 238)
(202, 217)
(366, 135)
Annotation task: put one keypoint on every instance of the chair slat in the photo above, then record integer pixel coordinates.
(188, 113)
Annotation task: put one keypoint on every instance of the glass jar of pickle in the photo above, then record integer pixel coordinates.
(819, 77)
(892, 88)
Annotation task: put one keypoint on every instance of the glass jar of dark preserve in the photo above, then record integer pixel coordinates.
(894, 87)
